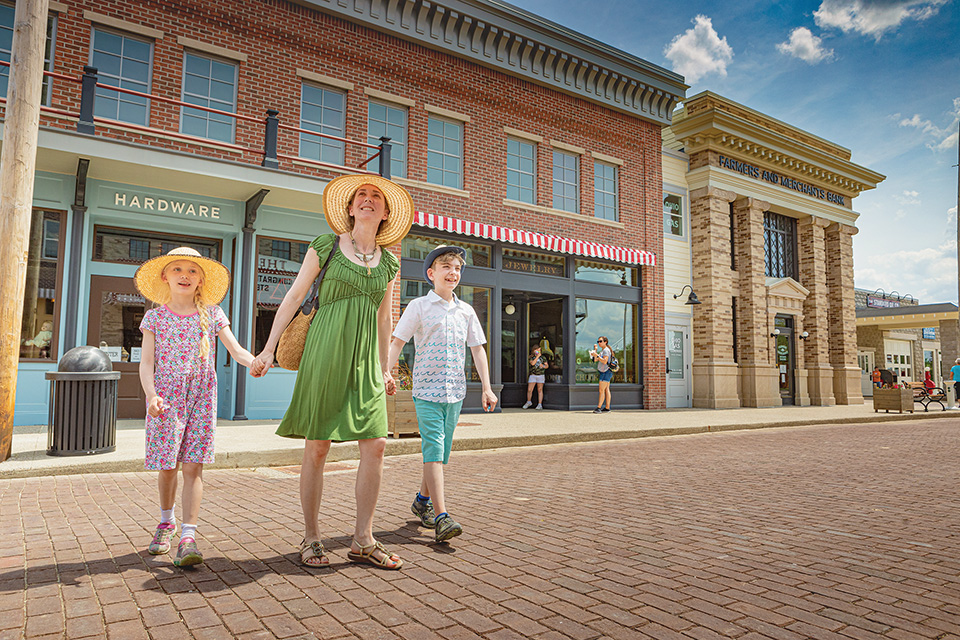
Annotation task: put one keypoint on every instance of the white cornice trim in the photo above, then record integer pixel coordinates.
(446, 113)
(212, 49)
(388, 97)
(123, 25)
(59, 7)
(322, 79)
(605, 158)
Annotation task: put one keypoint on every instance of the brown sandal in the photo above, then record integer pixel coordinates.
(313, 550)
(365, 556)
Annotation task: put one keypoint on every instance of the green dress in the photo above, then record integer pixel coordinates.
(339, 393)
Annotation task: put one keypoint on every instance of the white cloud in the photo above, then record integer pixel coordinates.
(952, 216)
(941, 139)
(699, 51)
(873, 17)
(929, 274)
(806, 46)
(908, 197)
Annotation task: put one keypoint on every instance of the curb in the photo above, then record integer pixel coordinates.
(341, 451)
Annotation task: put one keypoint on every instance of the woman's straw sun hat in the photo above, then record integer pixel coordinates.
(336, 204)
(216, 278)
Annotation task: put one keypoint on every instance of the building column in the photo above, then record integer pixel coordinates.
(842, 314)
(949, 346)
(758, 371)
(714, 371)
(813, 276)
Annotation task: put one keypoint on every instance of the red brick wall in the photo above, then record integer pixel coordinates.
(280, 37)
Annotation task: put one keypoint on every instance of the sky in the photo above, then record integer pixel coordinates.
(879, 77)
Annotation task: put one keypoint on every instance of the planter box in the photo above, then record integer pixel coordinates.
(401, 414)
(893, 400)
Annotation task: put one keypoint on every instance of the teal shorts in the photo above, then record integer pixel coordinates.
(437, 421)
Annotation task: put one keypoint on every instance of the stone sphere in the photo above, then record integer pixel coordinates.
(85, 359)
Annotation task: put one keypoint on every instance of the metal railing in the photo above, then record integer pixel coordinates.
(87, 124)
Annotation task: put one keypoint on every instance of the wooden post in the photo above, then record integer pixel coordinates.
(17, 163)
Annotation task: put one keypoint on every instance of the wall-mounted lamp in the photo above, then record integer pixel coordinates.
(691, 299)
(804, 335)
(882, 292)
(509, 309)
(775, 333)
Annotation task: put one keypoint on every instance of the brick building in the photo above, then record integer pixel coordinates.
(537, 148)
(763, 212)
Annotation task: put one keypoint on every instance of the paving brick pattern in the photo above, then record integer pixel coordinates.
(815, 532)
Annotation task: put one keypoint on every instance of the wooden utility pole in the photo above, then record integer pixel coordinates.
(17, 163)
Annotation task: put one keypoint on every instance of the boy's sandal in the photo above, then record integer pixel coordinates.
(313, 554)
(388, 560)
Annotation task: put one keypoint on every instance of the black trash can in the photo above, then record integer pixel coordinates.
(83, 404)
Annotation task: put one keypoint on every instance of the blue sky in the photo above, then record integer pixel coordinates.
(880, 77)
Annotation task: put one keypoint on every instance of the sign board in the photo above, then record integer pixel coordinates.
(929, 333)
(115, 353)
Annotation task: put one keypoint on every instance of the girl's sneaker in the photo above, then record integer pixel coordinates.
(527, 405)
(161, 539)
(187, 553)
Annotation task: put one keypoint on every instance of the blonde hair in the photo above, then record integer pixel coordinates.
(449, 256)
(164, 297)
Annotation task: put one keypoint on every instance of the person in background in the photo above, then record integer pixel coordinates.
(538, 370)
(601, 355)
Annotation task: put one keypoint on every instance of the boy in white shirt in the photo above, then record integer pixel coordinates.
(441, 325)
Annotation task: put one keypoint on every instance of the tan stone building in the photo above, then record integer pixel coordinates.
(770, 240)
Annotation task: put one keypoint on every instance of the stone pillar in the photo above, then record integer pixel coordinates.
(714, 371)
(949, 345)
(758, 370)
(842, 314)
(813, 276)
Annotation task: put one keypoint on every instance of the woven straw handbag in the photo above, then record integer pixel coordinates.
(294, 337)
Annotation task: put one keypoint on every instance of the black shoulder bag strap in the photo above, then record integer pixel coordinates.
(312, 301)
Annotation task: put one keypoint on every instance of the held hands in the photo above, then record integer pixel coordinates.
(489, 401)
(389, 383)
(261, 364)
(156, 407)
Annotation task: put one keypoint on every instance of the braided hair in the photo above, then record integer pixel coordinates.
(204, 316)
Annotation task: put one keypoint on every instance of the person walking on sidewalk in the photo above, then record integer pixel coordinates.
(341, 386)
(538, 369)
(180, 383)
(441, 325)
(955, 374)
(601, 355)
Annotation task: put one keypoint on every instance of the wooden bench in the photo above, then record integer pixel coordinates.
(926, 396)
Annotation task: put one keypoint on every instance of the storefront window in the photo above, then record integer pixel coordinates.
(590, 271)
(477, 297)
(278, 262)
(127, 246)
(417, 247)
(618, 322)
(38, 333)
(673, 216)
(542, 264)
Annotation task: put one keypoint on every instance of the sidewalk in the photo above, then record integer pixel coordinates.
(254, 444)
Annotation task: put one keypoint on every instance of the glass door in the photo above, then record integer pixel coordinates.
(116, 309)
(545, 329)
(785, 357)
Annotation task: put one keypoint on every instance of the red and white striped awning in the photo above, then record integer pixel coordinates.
(538, 240)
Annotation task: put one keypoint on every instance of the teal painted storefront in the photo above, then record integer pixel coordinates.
(114, 207)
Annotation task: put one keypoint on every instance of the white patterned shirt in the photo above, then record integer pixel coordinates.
(441, 331)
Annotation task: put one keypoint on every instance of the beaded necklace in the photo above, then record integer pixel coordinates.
(363, 257)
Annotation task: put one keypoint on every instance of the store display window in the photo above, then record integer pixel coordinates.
(38, 328)
(278, 262)
(618, 322)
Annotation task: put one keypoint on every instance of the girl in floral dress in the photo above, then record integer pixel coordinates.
(180, 382)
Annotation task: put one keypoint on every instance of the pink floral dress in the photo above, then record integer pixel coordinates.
(185, 431)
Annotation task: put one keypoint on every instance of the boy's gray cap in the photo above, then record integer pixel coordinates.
(436, 253)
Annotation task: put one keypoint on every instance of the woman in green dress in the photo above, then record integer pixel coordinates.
(340, 390)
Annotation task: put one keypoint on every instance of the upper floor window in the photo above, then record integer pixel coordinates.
(779, 242)
(6, 44)
(521, 170)
(445, 153)
(673, 216)
(390, 121)
(208, 83)
(605, 191)
(122, 61)
(566, 181)
(322, 110)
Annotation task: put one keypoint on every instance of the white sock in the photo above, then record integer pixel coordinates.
(188, 531)
(166, 516)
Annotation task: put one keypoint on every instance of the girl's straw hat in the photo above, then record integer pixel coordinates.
(216, 278)
(336, 204)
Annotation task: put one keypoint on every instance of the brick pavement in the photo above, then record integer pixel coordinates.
(813, 532)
